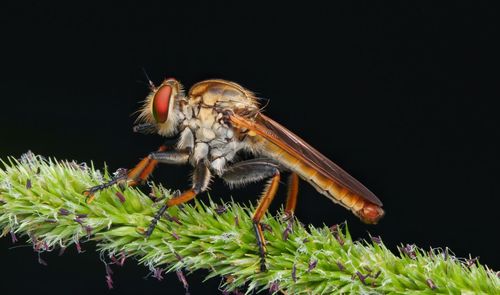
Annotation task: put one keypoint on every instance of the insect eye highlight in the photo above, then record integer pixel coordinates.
(161, 103)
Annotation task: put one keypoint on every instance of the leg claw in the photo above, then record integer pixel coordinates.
(90, 194)
(263, 267)
(287, 216)
(89, 198)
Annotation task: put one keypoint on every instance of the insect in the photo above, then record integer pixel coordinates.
(215, 121)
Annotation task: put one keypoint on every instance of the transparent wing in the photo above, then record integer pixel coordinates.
(297, 147)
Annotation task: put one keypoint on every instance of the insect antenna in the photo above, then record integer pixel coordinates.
(150, 83)
(264, 106)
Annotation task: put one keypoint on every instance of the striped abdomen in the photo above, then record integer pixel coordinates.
(367, 211)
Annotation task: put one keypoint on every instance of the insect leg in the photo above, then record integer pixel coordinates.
(145, 128)
(249, 171)
(145, 167)
(142, 170)
(201, 180)
(252, 171)
(291, 199)
(264, 202)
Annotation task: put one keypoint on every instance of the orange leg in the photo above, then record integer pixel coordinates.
(255, 170)
(265, 201)
(201, 179)
(140, 173)
(143, 169)
(291, 199)
(182, 198)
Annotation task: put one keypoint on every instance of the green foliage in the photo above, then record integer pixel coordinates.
(42, 199)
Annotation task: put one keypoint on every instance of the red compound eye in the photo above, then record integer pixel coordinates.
(161, 102)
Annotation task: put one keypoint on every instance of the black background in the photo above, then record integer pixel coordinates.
(402, 97)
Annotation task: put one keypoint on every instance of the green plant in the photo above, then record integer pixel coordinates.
(41, 199)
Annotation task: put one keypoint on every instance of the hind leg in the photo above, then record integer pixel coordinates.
(252, 171)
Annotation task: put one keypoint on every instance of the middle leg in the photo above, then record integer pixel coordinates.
(201, 180)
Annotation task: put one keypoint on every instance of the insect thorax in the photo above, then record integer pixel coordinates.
(203, 128)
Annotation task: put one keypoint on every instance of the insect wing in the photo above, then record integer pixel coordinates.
(298, 148)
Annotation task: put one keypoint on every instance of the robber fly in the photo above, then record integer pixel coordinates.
(215, 121)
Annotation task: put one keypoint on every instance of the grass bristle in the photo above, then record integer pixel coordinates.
(43, 197)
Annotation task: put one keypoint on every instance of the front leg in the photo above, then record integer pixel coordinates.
(143, 169)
